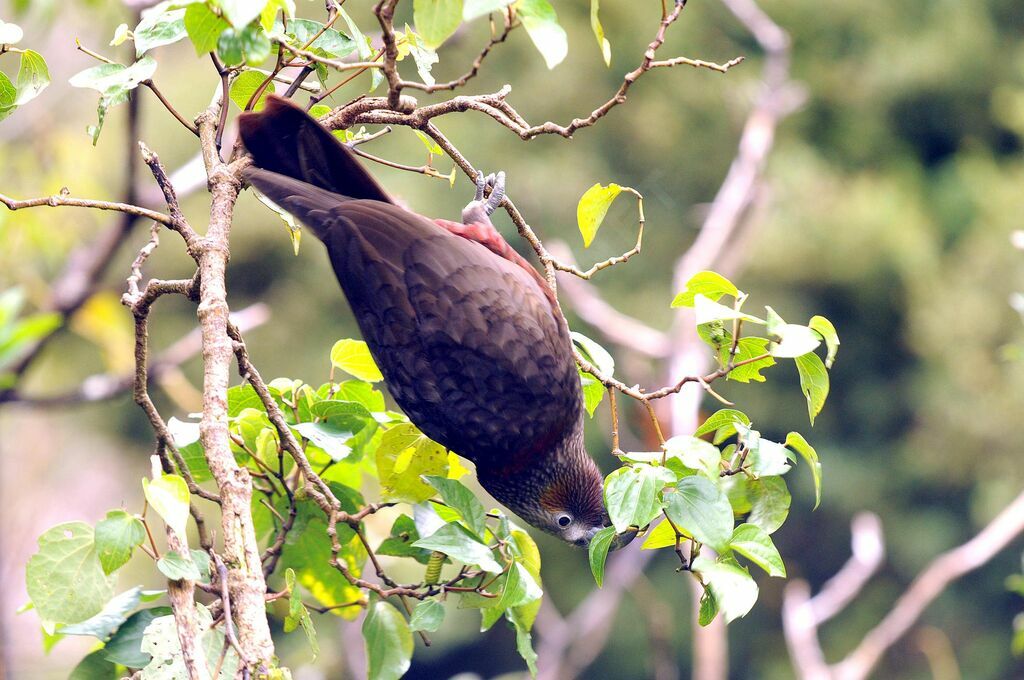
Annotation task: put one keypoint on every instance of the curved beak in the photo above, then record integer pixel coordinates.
(624, 539)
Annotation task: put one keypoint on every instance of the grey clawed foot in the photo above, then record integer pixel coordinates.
(481, 184)
(497, 184)
(480, 209)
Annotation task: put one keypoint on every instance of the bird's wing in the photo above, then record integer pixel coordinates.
(468, 341)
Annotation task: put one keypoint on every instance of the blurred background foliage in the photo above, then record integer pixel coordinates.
(889, 206)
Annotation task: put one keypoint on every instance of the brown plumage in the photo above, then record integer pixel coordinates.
(467, 335)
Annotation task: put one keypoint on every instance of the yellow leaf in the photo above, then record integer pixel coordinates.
(106, 323)
(456, 470)
(353, 357)
(595, 24)
(404, 455)
(593, 207)
(662, 536)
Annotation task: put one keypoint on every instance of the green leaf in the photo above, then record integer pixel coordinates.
(245, 86)
(593, 393)
(95, 666)
(362, 393)
(827, 331)
(734, 590)
(632, 495)
(756, 545)
(436, 20)
(599, 546)
(796, 441)
(177, 567)
(161, 640)
(424, 57)
(813, 382)
(400, 542)
(159, 28)
(708, 608)
(65, 580)
(241, 12)
(353, 357)
(121, 33)
(125, 647)
(707, 283)
(273, 8)
(769, 500)
(33, 77)
(204, 27)
(735, 487)
(593, 390)
(525, 549)
(701, 510)
(14, 341)
(341, 412)
(329, 43)
(790, 340)
(595, 25)
(10, 34)
(696, 454)
(723, 424)
(429, 143)
(764, 458)
(524, 645)
(707, 311)
(116, 537)
(457, 496)
(112, 78)
(240, 397)
(592, 208)
(471, 9)
(455, 541)
(8, 95)
(747, 349)
(427, 616)
(168, 496)
(594, 353)
(388, 641)
(364, 46)
(113, 82)
(307, 550)
(714, 334)
(332, 440)
(298, 615)
(249, 45)
(541, 24)
(403, 456)
(113, 614)
(662, 536)
(520, 587)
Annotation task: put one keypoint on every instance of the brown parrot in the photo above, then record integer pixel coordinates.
(467, 334)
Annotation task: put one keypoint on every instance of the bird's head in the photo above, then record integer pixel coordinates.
(561, 494)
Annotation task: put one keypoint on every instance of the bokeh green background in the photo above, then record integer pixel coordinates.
(889, 203)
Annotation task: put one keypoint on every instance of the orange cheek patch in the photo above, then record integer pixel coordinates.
(553, 497)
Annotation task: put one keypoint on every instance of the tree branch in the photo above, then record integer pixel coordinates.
(64, 200)
(246, 585)
(802, 614)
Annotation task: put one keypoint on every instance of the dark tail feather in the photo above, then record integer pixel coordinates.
(310, 204)
(286, 140)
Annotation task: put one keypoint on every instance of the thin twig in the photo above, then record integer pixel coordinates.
(63, 199)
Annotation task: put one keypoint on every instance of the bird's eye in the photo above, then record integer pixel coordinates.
(564, 520)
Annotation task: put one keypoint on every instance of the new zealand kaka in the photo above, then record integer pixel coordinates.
(467, 334)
